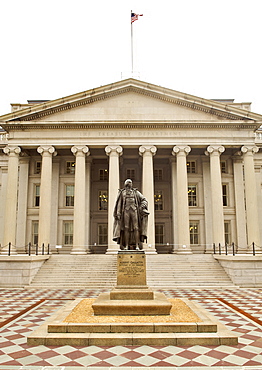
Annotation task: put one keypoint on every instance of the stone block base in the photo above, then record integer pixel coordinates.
(135, 294)
(208, 332)
(129, 307)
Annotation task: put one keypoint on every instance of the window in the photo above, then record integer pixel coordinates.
(102, 234)
(225, 194)
(191, 166)
(192, 195)
(103, 200)
(158, 174)
(103, 174)
(159, 234)
(37, 195)
(130, 173)
(70, 195)
(68, 232)
(227, 227)
(38, 166)
(70, 167)
(35, 232)
(223, 166)
(158, 200)
(194, 232)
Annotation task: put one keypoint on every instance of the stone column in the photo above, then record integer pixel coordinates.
(3, 176)
(88, 194)
(147, 152)
(114, 152)
(174, 205)
(207, 205)
(11, 199)
(182, 199)
(251, 196)
(239, 193)
(44, 231)
(54, 238)
(22, 202)
(214, 152)
(79, 242)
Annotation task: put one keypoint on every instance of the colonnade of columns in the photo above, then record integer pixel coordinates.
(179, 186)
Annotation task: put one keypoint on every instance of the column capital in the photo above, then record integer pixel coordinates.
(251, 149)
(12, 150)
(80, 149)
(116, 149)
(215, 150)
(46, 149)
(152, 149)
(181, 149)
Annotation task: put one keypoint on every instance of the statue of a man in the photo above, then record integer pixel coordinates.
(131, 218)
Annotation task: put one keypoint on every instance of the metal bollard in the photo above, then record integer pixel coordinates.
(254, 250)
(233, 248)
(214, 248)
(48, 248)
(219, 247)
(9, 249)
(29, 249)
(36, 249)
(226, 248)
(43, 249)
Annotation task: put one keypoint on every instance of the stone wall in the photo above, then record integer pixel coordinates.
(18, 271)
(244, 270)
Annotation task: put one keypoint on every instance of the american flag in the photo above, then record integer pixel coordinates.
(134, 17)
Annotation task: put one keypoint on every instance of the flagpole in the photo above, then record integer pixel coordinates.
(132, 66)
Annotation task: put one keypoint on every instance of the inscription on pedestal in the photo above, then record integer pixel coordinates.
(131, 268)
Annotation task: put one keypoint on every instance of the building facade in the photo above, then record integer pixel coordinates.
(197, 161)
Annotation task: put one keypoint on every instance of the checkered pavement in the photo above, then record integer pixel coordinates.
(36, 305)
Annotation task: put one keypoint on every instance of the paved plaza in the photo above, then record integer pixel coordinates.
(23, 310)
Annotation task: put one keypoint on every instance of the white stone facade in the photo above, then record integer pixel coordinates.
(196, 160)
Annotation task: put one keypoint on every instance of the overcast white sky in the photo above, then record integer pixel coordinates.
(55, 48)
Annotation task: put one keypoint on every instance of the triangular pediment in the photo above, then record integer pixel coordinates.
(129, 101)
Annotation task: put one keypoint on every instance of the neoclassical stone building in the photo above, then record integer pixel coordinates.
(196, 160)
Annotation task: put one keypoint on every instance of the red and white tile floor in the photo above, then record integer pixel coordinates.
(23, 310)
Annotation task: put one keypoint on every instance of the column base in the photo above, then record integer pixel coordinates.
(78, 251)
(5, 253)
(5, 250)
(112, 251)
(150, 251)
(184, 249)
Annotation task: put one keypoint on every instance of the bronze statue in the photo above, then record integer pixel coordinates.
(131, 218)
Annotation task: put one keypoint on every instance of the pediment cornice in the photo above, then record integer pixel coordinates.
(220, 110)
(130, 125)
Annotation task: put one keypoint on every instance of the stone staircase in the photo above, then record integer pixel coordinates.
(192, 270)
(77, 271)
(99, 271)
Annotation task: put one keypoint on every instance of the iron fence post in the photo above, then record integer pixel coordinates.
(254, 250)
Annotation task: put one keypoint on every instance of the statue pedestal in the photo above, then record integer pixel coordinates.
(131, 296)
